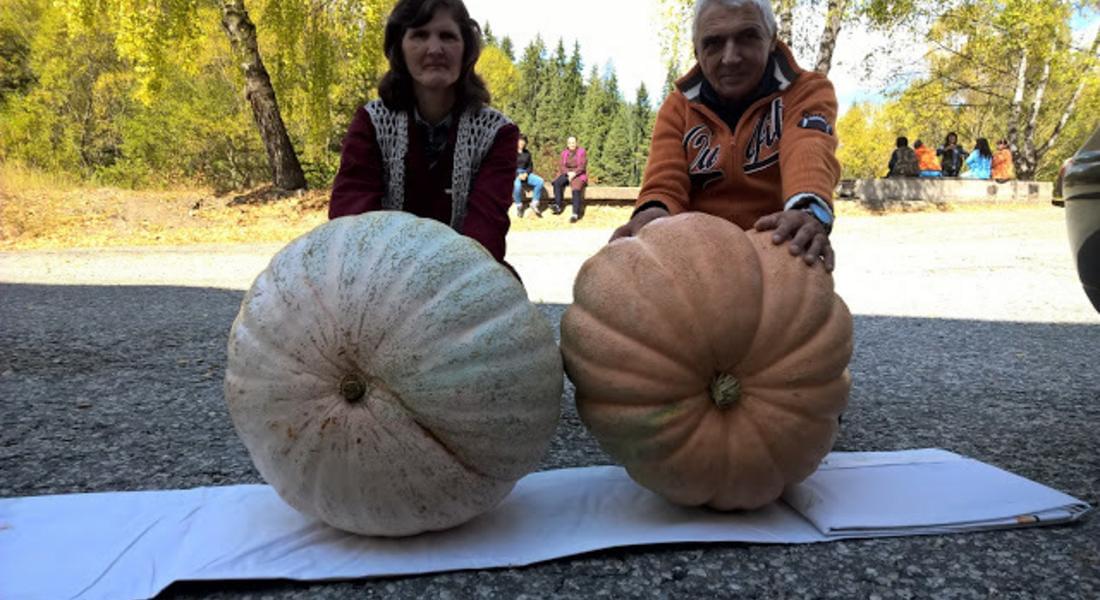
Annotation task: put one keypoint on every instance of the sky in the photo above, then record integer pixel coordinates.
(624, 34)
(622, 31)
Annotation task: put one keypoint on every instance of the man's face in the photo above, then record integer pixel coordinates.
(732, 46)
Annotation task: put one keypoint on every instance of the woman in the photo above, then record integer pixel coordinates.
(951, 155)
(430, 145)
(1002, 169)
(980, 161)
(572, 172)
(525, 176)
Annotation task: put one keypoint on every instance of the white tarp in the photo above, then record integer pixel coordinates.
(134, 544)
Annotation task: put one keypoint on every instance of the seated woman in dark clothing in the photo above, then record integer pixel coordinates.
(431, 146)
(951, 155)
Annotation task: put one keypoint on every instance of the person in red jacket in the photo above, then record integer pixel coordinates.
(572, 173)
(430, 145)
(746, 135)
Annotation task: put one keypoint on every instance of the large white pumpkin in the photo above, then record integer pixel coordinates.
(389, 377)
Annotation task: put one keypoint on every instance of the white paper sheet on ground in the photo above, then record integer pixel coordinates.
(134, 544)
(871, 494)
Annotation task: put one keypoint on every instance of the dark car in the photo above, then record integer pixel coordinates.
(1079, 185)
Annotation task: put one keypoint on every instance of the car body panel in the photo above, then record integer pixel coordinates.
(1079, 182)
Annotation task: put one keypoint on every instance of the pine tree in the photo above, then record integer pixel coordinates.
(531, 70)
(506, 47)
(672, 73)
(588, 117)
(616, 158)
(573, 84)
(555, 107)
(487, 35)
(601, 104)
(642, 130)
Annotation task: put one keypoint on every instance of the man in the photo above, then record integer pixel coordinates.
(904, 161)
(746, 135)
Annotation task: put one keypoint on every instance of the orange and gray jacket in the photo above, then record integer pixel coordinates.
(784, 147)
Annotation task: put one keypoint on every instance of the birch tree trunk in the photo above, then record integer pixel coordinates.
(1090, 65)
(783, 12)
(834, 18)
(285, 169)
(1013, 133)
(1026, 160)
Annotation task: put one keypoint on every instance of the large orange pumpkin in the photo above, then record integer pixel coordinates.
(708, 361)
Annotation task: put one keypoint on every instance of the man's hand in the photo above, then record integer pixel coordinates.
(635, 224)
(806, 233)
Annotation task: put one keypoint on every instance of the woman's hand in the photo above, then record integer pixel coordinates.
(635, 224)
(806, 233)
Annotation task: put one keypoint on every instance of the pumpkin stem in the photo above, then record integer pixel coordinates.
(353, 388)
(725, 390)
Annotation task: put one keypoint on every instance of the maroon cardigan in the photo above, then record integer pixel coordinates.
(360, 186)
(578, 160)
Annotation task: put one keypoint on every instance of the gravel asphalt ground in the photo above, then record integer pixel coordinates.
(972, 335)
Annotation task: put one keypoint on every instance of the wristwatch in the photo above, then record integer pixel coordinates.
(815, 206)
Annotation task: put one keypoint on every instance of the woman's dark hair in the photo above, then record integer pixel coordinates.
(947, 138)
(982, 146)
(396, 87)
(918, 144)
(902, 142)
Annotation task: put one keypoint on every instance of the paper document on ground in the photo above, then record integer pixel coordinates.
(135, 544)
(865, 494)
(138, 543)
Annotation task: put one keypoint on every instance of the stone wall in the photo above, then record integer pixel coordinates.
(945, 190)
(880, 191)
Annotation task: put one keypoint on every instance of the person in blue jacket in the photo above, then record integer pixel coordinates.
(980, 162)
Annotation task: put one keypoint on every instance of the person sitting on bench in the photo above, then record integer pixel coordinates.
(526, 177)
(572, 172)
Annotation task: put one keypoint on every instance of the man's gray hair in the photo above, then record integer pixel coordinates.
(765, 7)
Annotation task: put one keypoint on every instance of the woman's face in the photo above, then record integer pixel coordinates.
(433, 52)
(571, 143)
(521, 145)
(952, 140)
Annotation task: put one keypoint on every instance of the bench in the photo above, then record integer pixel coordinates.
(593, 194)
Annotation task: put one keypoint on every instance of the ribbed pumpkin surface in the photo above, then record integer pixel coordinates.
(389, 377)
(711, 363)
